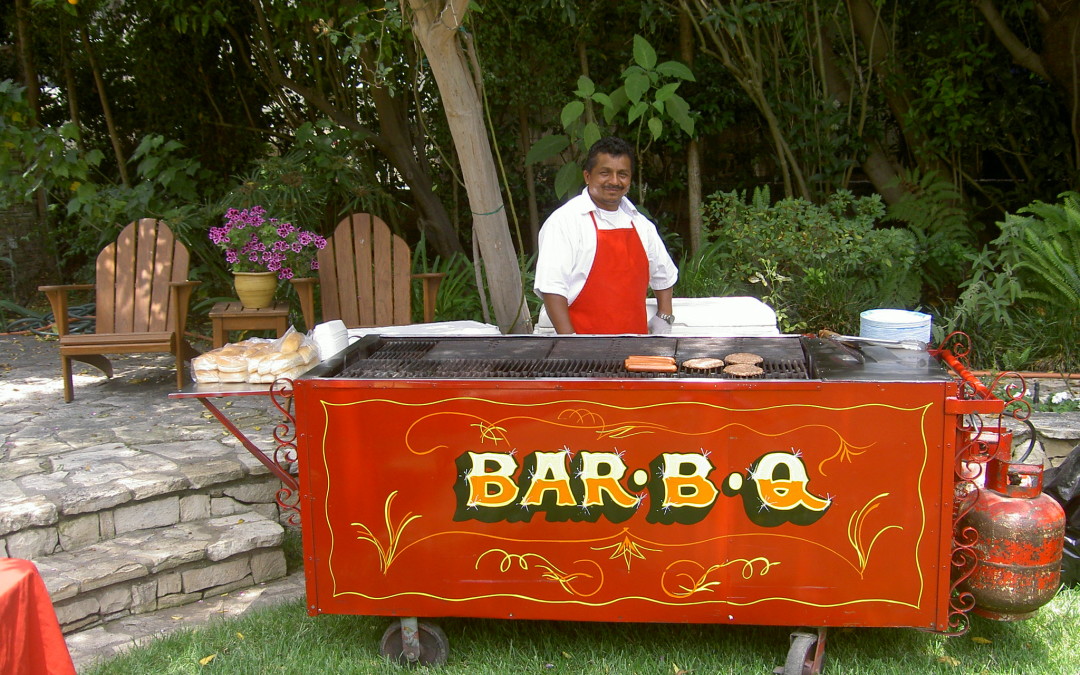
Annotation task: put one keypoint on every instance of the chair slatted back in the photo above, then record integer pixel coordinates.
(365, 274)
(133, 275)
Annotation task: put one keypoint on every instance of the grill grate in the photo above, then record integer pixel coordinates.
(524, 358)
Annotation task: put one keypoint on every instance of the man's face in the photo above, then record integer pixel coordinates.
(609, 180)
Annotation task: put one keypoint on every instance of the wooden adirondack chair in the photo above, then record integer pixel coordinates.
(142, 295)
(365, 274)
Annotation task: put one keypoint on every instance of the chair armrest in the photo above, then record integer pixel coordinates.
(66, 287)
(181, 301)
(305, 289)
(431, 282)
(58, 301)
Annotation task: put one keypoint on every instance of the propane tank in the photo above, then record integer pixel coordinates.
(1021, 538)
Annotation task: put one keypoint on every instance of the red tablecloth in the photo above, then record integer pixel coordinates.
(30, 637)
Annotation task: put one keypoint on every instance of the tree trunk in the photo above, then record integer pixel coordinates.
(1059, 61)
(693, 152)
(26, 58)
(30, 81)
(106, 109)
(878, 166)
(530, 180)
(1061, 58)
(40, 233)
(877, 41)
(745, 61)
(71, 94)
(435, 25)
(394, 140)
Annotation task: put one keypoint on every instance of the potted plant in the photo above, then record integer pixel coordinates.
(262, 251)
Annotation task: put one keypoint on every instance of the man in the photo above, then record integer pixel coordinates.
(599, 255)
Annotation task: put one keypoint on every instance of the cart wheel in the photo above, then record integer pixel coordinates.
(805, 655)
(434, 647)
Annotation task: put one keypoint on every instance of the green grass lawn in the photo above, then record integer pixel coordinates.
(284, 639)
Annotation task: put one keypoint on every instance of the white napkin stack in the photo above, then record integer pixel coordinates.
(330, 337)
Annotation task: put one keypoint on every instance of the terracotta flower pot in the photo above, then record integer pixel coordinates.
(255, 289)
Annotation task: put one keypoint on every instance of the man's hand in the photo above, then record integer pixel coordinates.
(658, 326)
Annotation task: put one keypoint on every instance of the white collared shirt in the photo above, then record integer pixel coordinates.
(568, 246)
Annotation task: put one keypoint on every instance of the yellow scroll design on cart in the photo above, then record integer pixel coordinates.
(675, 583)
(548, 570)
(855, 532)
(700, 582)
(627, 549)
(497, 431)
(389, 551)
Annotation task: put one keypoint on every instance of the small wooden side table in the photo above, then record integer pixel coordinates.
(227, 316)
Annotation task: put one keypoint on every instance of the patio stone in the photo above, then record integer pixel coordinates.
(18, 512)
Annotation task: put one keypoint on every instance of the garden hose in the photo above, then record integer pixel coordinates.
(81, 319)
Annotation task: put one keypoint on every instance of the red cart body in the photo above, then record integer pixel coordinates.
(823, 501)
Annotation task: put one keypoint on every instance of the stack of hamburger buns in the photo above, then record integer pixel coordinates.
(257, 360)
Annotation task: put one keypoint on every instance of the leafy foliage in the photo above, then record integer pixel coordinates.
(1044, 248)
(1021, 304)
(37, 158)
(945, 234)
(316, 182)
(838, 262)
(648, 97)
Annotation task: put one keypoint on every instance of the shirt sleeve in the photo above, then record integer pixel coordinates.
(560, 257)
(663, 273)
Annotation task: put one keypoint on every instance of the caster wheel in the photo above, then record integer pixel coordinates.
(806, 653)
(434, 646)
(800, 656)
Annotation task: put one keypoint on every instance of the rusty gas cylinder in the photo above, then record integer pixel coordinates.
(1021, 535)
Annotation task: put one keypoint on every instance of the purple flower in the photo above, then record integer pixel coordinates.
(252, 242)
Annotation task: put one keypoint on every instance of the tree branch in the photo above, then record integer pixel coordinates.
(1021, 53)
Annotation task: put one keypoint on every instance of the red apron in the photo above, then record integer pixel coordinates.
(613, 299)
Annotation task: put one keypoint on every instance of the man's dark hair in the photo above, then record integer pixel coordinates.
(610, 145)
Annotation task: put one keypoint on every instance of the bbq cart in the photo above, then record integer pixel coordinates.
(534, 477)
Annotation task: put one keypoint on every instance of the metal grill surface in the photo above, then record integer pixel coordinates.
(545, 357)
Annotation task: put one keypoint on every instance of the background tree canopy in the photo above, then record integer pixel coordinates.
(955, 113)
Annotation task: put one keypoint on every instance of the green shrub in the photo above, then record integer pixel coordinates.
(1044, 250)
(459, 298)
(698, 276)
(1021, 303)
(945, 236)
(837, 260)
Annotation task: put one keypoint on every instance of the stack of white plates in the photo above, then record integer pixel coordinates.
(894, 324)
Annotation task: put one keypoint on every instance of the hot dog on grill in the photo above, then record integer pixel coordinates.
(651, 364)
